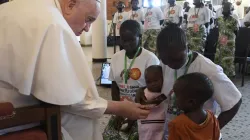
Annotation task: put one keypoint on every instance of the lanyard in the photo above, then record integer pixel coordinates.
(126, 70)
(196, 14)
(133, 14)
(190, 56)
(170, 10)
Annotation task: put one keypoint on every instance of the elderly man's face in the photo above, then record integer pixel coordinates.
(80, 14)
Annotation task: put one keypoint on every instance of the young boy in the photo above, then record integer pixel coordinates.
(119, 17)
(195, 123)
(178, 60)
(152, 128)
(153, 20)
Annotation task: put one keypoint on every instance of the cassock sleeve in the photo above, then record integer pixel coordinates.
(62, 75)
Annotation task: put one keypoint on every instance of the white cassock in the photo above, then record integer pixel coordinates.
(42, 59)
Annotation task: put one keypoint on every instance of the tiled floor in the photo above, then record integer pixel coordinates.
(237, 129)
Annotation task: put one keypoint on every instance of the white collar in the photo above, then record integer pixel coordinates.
(57, 3)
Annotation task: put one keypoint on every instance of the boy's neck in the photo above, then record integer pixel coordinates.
(198, 116)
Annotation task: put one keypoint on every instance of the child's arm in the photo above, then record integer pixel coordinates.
(115, 92)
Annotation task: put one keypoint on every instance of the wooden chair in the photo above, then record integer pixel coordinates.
(242, 51)
(48, 116)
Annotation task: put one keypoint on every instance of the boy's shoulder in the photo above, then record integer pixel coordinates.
(119, 54)
(147, 53)
(179, 121)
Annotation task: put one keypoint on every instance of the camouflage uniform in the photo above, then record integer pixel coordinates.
(224, 55)
(149, 39)
(111, 132)
(196, 40)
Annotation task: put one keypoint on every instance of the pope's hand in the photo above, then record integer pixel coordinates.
(128, 109)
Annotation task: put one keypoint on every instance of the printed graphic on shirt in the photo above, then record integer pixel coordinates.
(134, 74)
(128, 92)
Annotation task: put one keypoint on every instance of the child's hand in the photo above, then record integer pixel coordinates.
(157, 100)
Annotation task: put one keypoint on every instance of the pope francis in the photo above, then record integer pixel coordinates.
(41, 59)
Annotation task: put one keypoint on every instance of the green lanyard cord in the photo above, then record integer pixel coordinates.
(126, 70)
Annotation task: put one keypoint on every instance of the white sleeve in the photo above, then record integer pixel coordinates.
(207, 15)
(160, 14)
(190, 12)
(180, 12)
(153, 61)
(115, 18)
(246, 18)
(225, 92)
(63, 77)
(111, 73)
(142, 15)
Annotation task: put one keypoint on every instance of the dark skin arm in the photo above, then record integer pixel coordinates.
(180, 21)
(211, 21)
(161, 22)
(115, 93)
(207, 24)
(225, 117)
(247, 24)
(142, 22)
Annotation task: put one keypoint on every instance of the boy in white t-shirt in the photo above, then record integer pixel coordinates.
(128, 65)
(177, 60)
(173, 13)
(136, 13)
(153, 20)
(119, 17)
(198, 23)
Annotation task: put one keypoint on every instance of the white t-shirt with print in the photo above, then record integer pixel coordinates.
(152, 18)
(138, 16)
(226, 95)
(119, 18)
(203, 16)
(173, 14)
(234, 15)
(136, 80)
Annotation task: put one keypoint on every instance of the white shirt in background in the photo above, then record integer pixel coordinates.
(137, 80)
(152, 18)
(234, 15)
(138, 16)
(203, 16)
(119, 18)
(246, 18)
(173, 14)
(212, 15)
(226, 94)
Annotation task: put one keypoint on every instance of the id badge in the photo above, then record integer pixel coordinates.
(147, 22)
(223, 40)
(196, 28)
